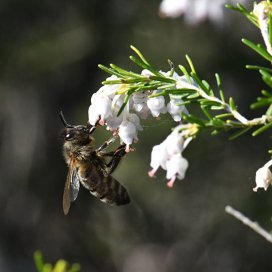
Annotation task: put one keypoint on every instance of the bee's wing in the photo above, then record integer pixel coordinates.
(71, 188)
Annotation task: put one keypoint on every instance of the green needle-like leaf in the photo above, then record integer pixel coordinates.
(231, 103)
(140, 55)
(193, 119)
(239, 133)
(186, 74)
(124, 72)
(256, 67)
(109, 70)
(270, 27)
(190, 64)
(124, 104)
(258, 49)
(206, 112)
(261, 103)
(262, 129)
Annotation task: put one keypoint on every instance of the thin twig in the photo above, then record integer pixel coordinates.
(253, 225)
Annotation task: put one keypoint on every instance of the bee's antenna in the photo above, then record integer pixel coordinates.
(63, 120)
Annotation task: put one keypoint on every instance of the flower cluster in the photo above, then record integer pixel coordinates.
(168, 155)
(109, 99)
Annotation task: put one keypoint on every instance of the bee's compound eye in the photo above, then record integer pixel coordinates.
(68, 136)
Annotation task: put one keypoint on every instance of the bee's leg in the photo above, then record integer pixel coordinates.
(107, 143)
(116, 158)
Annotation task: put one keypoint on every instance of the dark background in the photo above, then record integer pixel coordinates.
(49, 52)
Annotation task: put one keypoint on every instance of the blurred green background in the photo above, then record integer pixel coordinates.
(49, 52)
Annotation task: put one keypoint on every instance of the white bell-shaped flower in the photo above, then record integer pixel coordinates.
(156, 105)
(101, 102)
(172, 8)
(261, 11)
(263, 177)
(159, 157)
(114, 121)
(168, 156)
(175, 107)
(93, 115)
(139, 104)
(183, 83)
(174, 143)
(176, 167)
(128, 129)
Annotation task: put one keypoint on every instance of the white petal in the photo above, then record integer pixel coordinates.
(156, 105)
(93, 115)
(177, 165)
(158, 156)
(113, 122)
(172, 8)
(263, 178)
(174, 143)
(127, 132)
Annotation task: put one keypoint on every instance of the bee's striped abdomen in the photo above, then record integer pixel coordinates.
(107, 189)
(110, 191)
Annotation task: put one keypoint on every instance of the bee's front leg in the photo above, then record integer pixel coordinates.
(119, 153)
(107, 143)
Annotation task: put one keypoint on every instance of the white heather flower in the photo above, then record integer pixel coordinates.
(101, 102)
(128, 129)
(261, 11)
(263, 177)
(101, 106)
(114, 121)
(195, 11)
(156, 105)
(172, 8)
(174, 142)
(147, 73)
(139, 100)
(175, 108)
(93, 115)
(127, 132)
(167, 155)
(158, 158)
(182, 83)
(176, 167)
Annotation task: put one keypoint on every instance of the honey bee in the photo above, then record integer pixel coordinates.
(88, 166)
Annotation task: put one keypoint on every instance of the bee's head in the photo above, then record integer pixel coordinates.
(76, 134)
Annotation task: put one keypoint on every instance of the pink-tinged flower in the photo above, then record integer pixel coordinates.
(167, 155)
(263, 177)
(101, 106)
(156, 105)
(176, 167)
